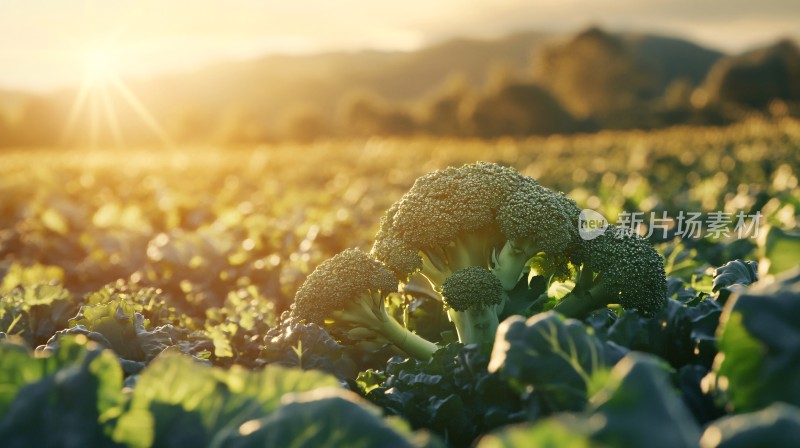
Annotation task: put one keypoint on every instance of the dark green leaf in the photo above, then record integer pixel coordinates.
(734, 276)
(759, 344)
(554, 355)
(777, 425)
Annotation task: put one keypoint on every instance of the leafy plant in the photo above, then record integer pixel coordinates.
(59, 400)
(759, 338)
(552, 356)
(636, 406)
(452, 394)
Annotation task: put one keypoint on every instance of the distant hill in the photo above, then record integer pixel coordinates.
(673, 58)
(250, 100)
(268, 87)
(273, 84)
(755, 78)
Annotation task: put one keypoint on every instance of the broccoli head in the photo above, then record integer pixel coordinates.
(348, 292)
(619, 267)
(536, 220)
(472, 295)
(481, 214)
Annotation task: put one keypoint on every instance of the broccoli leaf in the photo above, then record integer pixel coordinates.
(308, 346)
(636, 407)
(180, 402)
(679, 333)
(452, 394)
(733, 276)
(775, 425)
(59, 400)
(638, 390)
(556, 356)
(322, 417)
(759, 344)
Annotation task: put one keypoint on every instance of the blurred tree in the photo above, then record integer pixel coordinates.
(41, 123)
(595, 74)
(189, 123)
(443, 112)
(520, 109)
(678, 94)
(239, 124)
(757, 77)
(302, 123)
(363, 114)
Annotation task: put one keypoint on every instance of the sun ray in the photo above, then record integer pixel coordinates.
(94, 109)
(75, 111)
(94, 119)
(140, 110)
(111, 117)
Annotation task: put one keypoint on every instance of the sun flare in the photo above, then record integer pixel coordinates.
(101, 89)
(99, 65)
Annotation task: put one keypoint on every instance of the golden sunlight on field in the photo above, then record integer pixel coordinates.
(417, 224)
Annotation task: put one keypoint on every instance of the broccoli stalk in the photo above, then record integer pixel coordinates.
(348, 292)
(508, 264)
(472, 296)
(619, 267)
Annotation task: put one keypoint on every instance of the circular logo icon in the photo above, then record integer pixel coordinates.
(591, 224)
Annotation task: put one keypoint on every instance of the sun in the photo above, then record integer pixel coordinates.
(99, 65)
(101, 89)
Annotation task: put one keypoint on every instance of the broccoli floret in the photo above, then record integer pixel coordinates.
(619, 267)
(536, 220)
(481, 214)
(348, 292)
(472, 295)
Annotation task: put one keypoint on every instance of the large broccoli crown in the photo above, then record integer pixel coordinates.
(439, 209)
(629, 267)
(339, 281)
(474, 288)
(447, 204)
(452, 202)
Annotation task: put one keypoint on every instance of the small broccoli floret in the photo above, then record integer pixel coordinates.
(535, 220)
(472, 296)
(402, 259)
(348, 292)
(619, 267)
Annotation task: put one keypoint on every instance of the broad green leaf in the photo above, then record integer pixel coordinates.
(564, 431)
(780, 249)
(36, 274)
(636, 407)
(639, 407)
(554, 355)
(759, 346)
(774, 426)
(178, 401)
(61, 399)
(322, 417)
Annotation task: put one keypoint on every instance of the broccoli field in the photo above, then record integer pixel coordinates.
(406, 292)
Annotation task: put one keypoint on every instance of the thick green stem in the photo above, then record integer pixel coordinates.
(580, 302)
(509, 264)
(407, 341)
(475, 326)
(369, 314)
(434, 270)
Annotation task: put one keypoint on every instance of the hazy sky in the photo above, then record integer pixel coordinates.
(46, 43)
